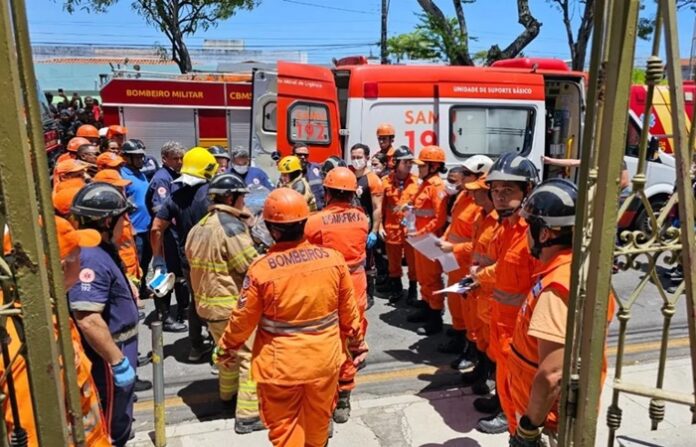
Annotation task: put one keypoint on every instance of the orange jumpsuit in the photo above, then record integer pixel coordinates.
(429, 207)
(514, 270)
(92, 417)
(398, 194)
(344, 228)
(523, 362)
(300, 296)
(483, 255)
(129, 254)
(459, 233)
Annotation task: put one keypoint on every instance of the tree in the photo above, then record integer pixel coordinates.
(577, 44)
(646, 25)
(177, 19)
(413, 45)
(451, 36)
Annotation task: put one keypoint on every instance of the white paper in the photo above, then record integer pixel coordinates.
(427, 245)
(448, 262)
(454, 288)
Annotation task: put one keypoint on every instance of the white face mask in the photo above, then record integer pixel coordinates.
(377, 170)
(451, 188)
(359, 163)
(241, 169)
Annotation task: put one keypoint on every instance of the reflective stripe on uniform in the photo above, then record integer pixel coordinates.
(356, 268)
(225, 300)
(507, 298)
(481, 259)
(218, 267)
(243, 257)
(456, 239)
(306, 327)
(425, 212)
(125, 335)
(315, 182)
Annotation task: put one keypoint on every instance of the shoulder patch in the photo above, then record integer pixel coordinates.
(87, 275)
(162, 192)
(231, 225)
(316, 171)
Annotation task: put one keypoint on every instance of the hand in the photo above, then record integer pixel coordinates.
(123, 372)
(446, 247)
(358, 359)
(473, 271)
(371, 240)
(382, 234)
(222, 357)
(525, 438)
(158, 263)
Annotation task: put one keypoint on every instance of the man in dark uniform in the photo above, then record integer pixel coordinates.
(161, 187)
(241, 166)
(311, 172)
(184, 208)
(104, 306)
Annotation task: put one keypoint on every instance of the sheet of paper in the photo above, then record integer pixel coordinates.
(448, 262)
(454, 288)
(426, 245)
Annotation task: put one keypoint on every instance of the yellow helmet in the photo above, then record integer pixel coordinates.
(289, 164)
(200, 163)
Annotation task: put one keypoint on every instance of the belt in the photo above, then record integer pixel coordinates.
(507, 298)
(356, 268)
(306, 327)
(523, 358)
(426, 212)
(125, 334)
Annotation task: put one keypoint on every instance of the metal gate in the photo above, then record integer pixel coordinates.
(595, 245)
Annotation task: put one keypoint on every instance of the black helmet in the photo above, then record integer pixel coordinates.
(219, 152)
(403, 153)
(98, 201)
(551, 205)
(133, 147)
(511, 167)
(227, 184)
(331, 163)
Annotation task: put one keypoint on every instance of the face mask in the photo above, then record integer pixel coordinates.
(451, 188)
(241, 169)
(359, 164)
(377, 170)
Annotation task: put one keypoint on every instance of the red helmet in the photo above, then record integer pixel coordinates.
(285, 205)
(342, 179)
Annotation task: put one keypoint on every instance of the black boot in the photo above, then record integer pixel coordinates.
(490, 405)
(469, 359)
(342, 412)
(396, 290)
(419, 316)
(493, 425)
(455, 345)
(412, 299)
(433, 325)
(371, 285)
(479, 369)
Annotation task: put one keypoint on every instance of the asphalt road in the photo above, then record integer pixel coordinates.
(400, 361)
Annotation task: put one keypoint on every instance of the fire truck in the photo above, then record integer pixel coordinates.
(200, 110)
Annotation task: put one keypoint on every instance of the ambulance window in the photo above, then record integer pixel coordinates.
(270, 123)
(490, 130)
(309, 123)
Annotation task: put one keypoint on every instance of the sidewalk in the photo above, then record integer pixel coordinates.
(447, 419)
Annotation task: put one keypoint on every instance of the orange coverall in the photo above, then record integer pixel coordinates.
(459, 233)
(398, 194)
(431, 216)
(300, 296)
(344, 228)
(484, 256)
(551, 276)
(129, 254)
(514, 271)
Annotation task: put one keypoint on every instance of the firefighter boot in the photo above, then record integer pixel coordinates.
(479, 372)
(419, 316)
(493, 425)
(396, 290)
(245, 426)
(469, 358)
(490, 405)
(412, 299)
(433, 324)
(342, 412)
(370, 291)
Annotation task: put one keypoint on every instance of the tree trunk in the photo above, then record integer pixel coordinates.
(531, 29)
(457, 54)
(583, 38)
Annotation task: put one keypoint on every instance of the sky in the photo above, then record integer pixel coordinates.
(322, 28)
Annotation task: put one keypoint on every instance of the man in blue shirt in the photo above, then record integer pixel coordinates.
(160, 189)
(133, 152)
(104, 306)
(312, 173)
(183, 209)
(253, 177)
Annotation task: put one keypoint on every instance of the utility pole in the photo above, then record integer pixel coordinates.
(383, 40)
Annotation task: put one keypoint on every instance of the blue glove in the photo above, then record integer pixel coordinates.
(371, 240)
(124, 374)
(159, 264)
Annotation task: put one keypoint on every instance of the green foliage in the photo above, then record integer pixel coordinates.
(414, 45)
(646, 25)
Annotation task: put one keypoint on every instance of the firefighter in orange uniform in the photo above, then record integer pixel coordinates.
(511, 179)
(429, 207)
(69, 174)
(71, 150)
(299, 298)
(536, 359)
(89, 132)
(344, 228)
(458, 240)
(483, 256)
(69, 243)
(385, 139)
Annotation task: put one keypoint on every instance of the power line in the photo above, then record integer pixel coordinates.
(335, 8)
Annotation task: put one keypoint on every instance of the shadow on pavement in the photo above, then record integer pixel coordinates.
(179, 349)
(201, 398)
(459, 442)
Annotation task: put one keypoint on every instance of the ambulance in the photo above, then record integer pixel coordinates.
(531, 106)
(195, 110)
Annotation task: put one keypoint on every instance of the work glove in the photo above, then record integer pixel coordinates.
(371, 240)
(123, 372)
(222, 357)
(158, 264)
(526, 438)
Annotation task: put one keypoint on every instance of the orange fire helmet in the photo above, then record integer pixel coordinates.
(109, 160)
(76, 142)
(385, 130)
(342, 179)
(285, 205)
(116, 130)
(62, 200)
(87, 131)
(111, 176)
(431, 154)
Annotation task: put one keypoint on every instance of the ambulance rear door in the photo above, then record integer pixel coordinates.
(264, 127)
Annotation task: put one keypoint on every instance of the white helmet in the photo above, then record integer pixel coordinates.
(478, 164)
